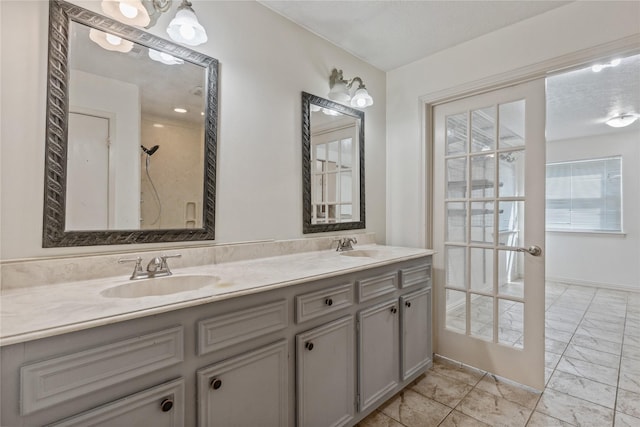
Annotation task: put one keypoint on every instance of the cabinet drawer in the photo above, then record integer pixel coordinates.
(415, 275)
(61, 379)
(223, 331)
(315, 304)
(162, 405)
(374, 287)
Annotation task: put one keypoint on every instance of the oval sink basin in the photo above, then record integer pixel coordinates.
(363, 253)
(160, 286)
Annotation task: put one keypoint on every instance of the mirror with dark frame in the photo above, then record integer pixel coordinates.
(131, 135)
(332, 166)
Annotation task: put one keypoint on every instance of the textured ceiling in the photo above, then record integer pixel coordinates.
(389, 34)
(580, 101)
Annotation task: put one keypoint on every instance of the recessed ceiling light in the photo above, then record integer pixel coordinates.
(158, 125)
(622, 120)
(180, 110)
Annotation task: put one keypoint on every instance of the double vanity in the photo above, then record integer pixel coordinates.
(317, 338)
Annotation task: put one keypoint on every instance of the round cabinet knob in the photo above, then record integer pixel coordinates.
(408, 303)
(308, 346)
(166, 405)
(328, 302)
(216, 383)
(394, 310)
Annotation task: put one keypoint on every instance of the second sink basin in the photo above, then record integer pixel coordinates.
(160, 286)
(363, 253)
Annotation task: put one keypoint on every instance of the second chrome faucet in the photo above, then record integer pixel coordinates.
(157, 267)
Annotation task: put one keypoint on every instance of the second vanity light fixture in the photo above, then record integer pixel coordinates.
(184, 27)
(340, 90)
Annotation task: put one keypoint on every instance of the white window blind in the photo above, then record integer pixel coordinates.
(585, 195)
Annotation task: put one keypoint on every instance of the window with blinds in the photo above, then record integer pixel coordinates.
(585, 195)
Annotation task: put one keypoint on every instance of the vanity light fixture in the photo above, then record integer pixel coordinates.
(599, 67)
(340, 90)
(183, 28)
(622, 120)
(165, 58)
(109, 41)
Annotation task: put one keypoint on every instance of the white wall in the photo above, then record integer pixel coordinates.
(265, 63)
(568, 29)
(600, 258)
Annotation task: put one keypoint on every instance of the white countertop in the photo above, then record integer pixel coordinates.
(43, 311)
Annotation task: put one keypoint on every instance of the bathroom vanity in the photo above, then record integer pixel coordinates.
(311, 339)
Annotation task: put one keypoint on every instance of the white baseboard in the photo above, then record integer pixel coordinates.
(616, 287)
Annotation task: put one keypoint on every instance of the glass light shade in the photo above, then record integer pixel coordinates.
(622, 120)
(130, 12)
(339, 92)
(110, 42)
(361, 98)
(186, 29)
(165, 58)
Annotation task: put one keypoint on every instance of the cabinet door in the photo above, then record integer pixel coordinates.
(326, 374)
(379, 352)
(161, 406)
(247, 390)
(416, 331)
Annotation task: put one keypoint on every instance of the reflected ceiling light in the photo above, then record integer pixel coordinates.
(185, 28)
(180, 110)
(165, 58)
(131, 12)
(622, 120)
(158, 125)
(110, 42)
(599, 67)
(340, 90)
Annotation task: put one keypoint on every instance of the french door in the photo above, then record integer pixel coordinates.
(488, 198)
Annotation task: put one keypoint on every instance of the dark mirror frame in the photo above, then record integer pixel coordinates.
(307, 226)
(53, 234)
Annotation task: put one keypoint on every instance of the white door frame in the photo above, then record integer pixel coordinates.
(623, 47)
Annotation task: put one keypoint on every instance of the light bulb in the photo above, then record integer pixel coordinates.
(128, 10)
(113, 40)
(615, 62)
(361, 102)
(187, 32)
(597, 68)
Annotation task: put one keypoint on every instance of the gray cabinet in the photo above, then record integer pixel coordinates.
(416, 331)
(378, 343)
(325, 360)
(160, 406)
(246, 390)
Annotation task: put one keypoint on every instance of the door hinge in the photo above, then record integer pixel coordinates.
(357, 402)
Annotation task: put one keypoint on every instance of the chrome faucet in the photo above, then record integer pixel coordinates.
(157, 267)
(345, 244)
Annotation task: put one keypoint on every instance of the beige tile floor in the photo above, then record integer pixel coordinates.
(592, 373)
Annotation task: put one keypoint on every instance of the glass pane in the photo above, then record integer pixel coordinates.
(346, 213)
(511, 132)
(321, 151)
(346, 187)
(456, 222)
(481, 315)
(456, 178)
(483, 129)
(511, 273)
(481, 265)
(483, 175)
(345, 154)
(317, 189)
(457, 134)
(511, 223)
(333, 155)
(510, 323)
(456, 257)
(331, 195)
(456, 318)
(482, 222)
(511, 173)
(331, 213)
